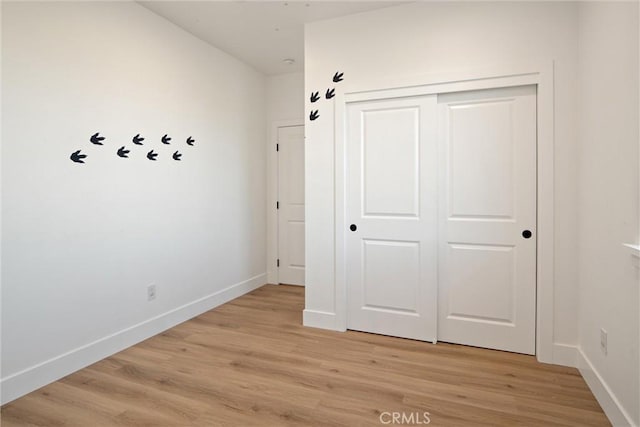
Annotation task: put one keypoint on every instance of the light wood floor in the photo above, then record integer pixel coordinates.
(250, 362)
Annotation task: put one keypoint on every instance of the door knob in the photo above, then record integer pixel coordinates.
(526, 234)
(353, 227)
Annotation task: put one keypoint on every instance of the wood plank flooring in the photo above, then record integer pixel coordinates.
(250, 362)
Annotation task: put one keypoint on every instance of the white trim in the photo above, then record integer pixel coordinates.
(320, 319)
(607, 400)
(340, 211)
(272, 195)
(538, 73)
(634, 249)
(34, 377)
(546, 158)
(443, 87)
(565, 355)
(488, 73)
(635, 253)
(1, 210)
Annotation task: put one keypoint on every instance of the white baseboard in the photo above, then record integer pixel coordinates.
(37, 376)
(608, 401)
(319, 319)
(565, 355)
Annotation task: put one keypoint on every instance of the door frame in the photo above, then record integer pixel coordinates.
(272, 196)
(535, 73)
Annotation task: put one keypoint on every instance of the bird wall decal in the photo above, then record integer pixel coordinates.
(77, 157)
(314, 115)
(122, 152)
(330, 93)
(337, 77)
(96, 138)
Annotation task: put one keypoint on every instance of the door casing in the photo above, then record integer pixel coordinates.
(539, 74)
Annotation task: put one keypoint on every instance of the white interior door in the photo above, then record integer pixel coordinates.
(487, 199)
(391, 249)
(291, 205)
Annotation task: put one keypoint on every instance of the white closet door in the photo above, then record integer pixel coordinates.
(291, 205)
(487, 227)
(391, 249)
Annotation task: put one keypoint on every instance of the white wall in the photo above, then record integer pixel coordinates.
(82, 242)
(285, 97)
(608, 202)
(438, 38)
(285, 106)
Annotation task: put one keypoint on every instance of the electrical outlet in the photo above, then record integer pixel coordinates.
(151, 292)
(603, 341)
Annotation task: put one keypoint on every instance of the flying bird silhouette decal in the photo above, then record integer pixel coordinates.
(176, 156)
(315, 96)
(138, 139)
(314, 115)
(190, 141)
(151, 155)
(96, 138)
(337, 77)
(122, 152)
(166, 139)
(77, 157)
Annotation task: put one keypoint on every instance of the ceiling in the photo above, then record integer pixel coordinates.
(259, 33)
